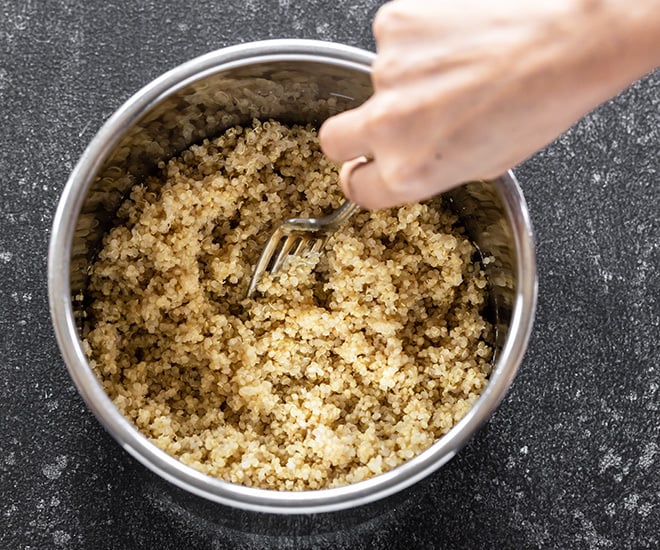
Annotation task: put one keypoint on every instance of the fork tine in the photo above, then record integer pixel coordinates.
(317, 245)
(291, 245)
(271, 247)
(300, 245)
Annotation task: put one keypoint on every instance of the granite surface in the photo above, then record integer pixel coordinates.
(570, 460)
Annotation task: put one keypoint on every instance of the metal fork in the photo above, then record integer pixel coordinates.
(298, 237)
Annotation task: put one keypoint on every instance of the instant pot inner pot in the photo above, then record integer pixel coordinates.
(293, 92)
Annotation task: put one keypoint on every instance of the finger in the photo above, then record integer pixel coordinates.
(342, 137)
(346, 174)
(363, 184)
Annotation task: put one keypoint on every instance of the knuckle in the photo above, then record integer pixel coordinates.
(386, 21)
(331, 137)
(382, 114)
(325, 137)
(330, 149)
(411, 181)
(396, 183)
(399, 177)
(385, 70)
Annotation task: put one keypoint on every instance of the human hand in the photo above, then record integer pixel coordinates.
(466, 90)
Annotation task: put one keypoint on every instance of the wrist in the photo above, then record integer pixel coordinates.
(629, 33)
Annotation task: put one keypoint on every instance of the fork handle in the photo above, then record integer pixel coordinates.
(339, 216)
(326, 224)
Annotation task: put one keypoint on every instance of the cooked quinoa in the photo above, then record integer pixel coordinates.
(344, 366)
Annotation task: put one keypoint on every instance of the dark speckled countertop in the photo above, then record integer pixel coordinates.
(570, 460)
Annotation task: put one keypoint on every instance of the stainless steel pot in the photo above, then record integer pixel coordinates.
(295, 81)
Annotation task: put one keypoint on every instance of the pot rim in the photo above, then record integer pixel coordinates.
(169, 468)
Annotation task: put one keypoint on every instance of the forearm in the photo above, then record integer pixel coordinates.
(584, 59)
(452, 78)
(623, 42)
(634, 30)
